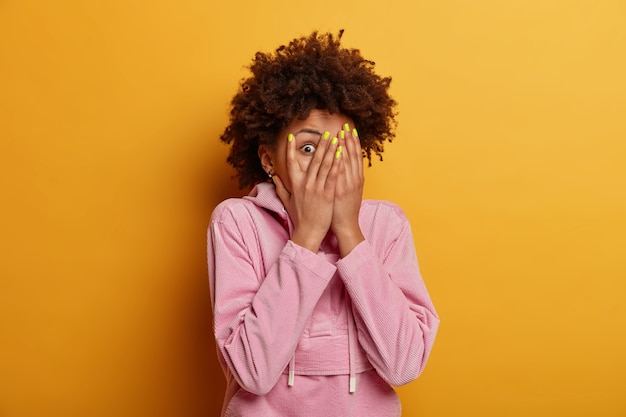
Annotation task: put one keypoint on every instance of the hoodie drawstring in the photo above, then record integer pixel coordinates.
(351, 348)
(292, 373)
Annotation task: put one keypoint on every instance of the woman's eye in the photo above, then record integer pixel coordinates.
(308, 148)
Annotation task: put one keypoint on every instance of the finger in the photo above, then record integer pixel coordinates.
(353, 160)
(348, 147)
(328, 157)
(318, 156)
(293, 166)
(334, 174)
(358, 152)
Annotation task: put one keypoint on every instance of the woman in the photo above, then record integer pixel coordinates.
(318, 302)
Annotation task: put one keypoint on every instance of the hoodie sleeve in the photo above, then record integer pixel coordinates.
(395, 318)
(259, 316)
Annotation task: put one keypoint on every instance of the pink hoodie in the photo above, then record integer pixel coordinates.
(305, 334)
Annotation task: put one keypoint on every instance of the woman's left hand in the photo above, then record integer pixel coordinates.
(348, 192)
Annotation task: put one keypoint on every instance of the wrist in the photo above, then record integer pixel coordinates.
(348, 239)
(307, 239)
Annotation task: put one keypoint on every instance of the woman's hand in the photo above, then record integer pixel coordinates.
(310, 202)
(348, 193)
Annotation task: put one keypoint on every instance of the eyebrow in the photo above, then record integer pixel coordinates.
(308, 130)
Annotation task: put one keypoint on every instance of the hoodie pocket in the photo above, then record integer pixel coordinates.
(322, 321)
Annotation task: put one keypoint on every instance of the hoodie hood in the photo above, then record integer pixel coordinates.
(264, 195)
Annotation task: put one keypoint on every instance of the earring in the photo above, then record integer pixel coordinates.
(269, 174)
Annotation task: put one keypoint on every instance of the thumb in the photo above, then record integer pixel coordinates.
(282, 192)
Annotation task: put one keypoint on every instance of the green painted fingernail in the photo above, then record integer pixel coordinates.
(338, 153)
(290, 137)
(342, 134)
(355, 133)
(334, 141)
(346, 127)
(326, 135)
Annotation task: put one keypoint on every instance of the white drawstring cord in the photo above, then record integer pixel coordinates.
(292, 365)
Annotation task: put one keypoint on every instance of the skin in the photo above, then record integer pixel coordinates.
(319, 182)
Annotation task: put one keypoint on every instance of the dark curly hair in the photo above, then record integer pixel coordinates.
(312, 72)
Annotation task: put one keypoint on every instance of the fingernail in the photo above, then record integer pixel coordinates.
(326, 135)
(290, 137)
(342, 134)
(346, 127)
(334, 141)
(338, 153)
(355, 133)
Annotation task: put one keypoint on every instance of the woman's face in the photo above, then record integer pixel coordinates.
(308, 133)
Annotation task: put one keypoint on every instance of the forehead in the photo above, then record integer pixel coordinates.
(321, 120)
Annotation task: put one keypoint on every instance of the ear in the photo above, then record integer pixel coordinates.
(265, 155)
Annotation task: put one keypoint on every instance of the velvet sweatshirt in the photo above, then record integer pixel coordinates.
(312, 334)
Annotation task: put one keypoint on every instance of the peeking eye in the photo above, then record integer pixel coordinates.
(308, 148)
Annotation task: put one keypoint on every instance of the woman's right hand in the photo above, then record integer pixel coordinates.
(310, 202)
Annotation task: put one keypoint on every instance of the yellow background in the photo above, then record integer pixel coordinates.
(510, 161)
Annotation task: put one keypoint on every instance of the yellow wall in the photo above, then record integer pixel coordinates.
(510, 161)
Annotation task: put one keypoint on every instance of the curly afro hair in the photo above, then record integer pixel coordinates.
(312, 72)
